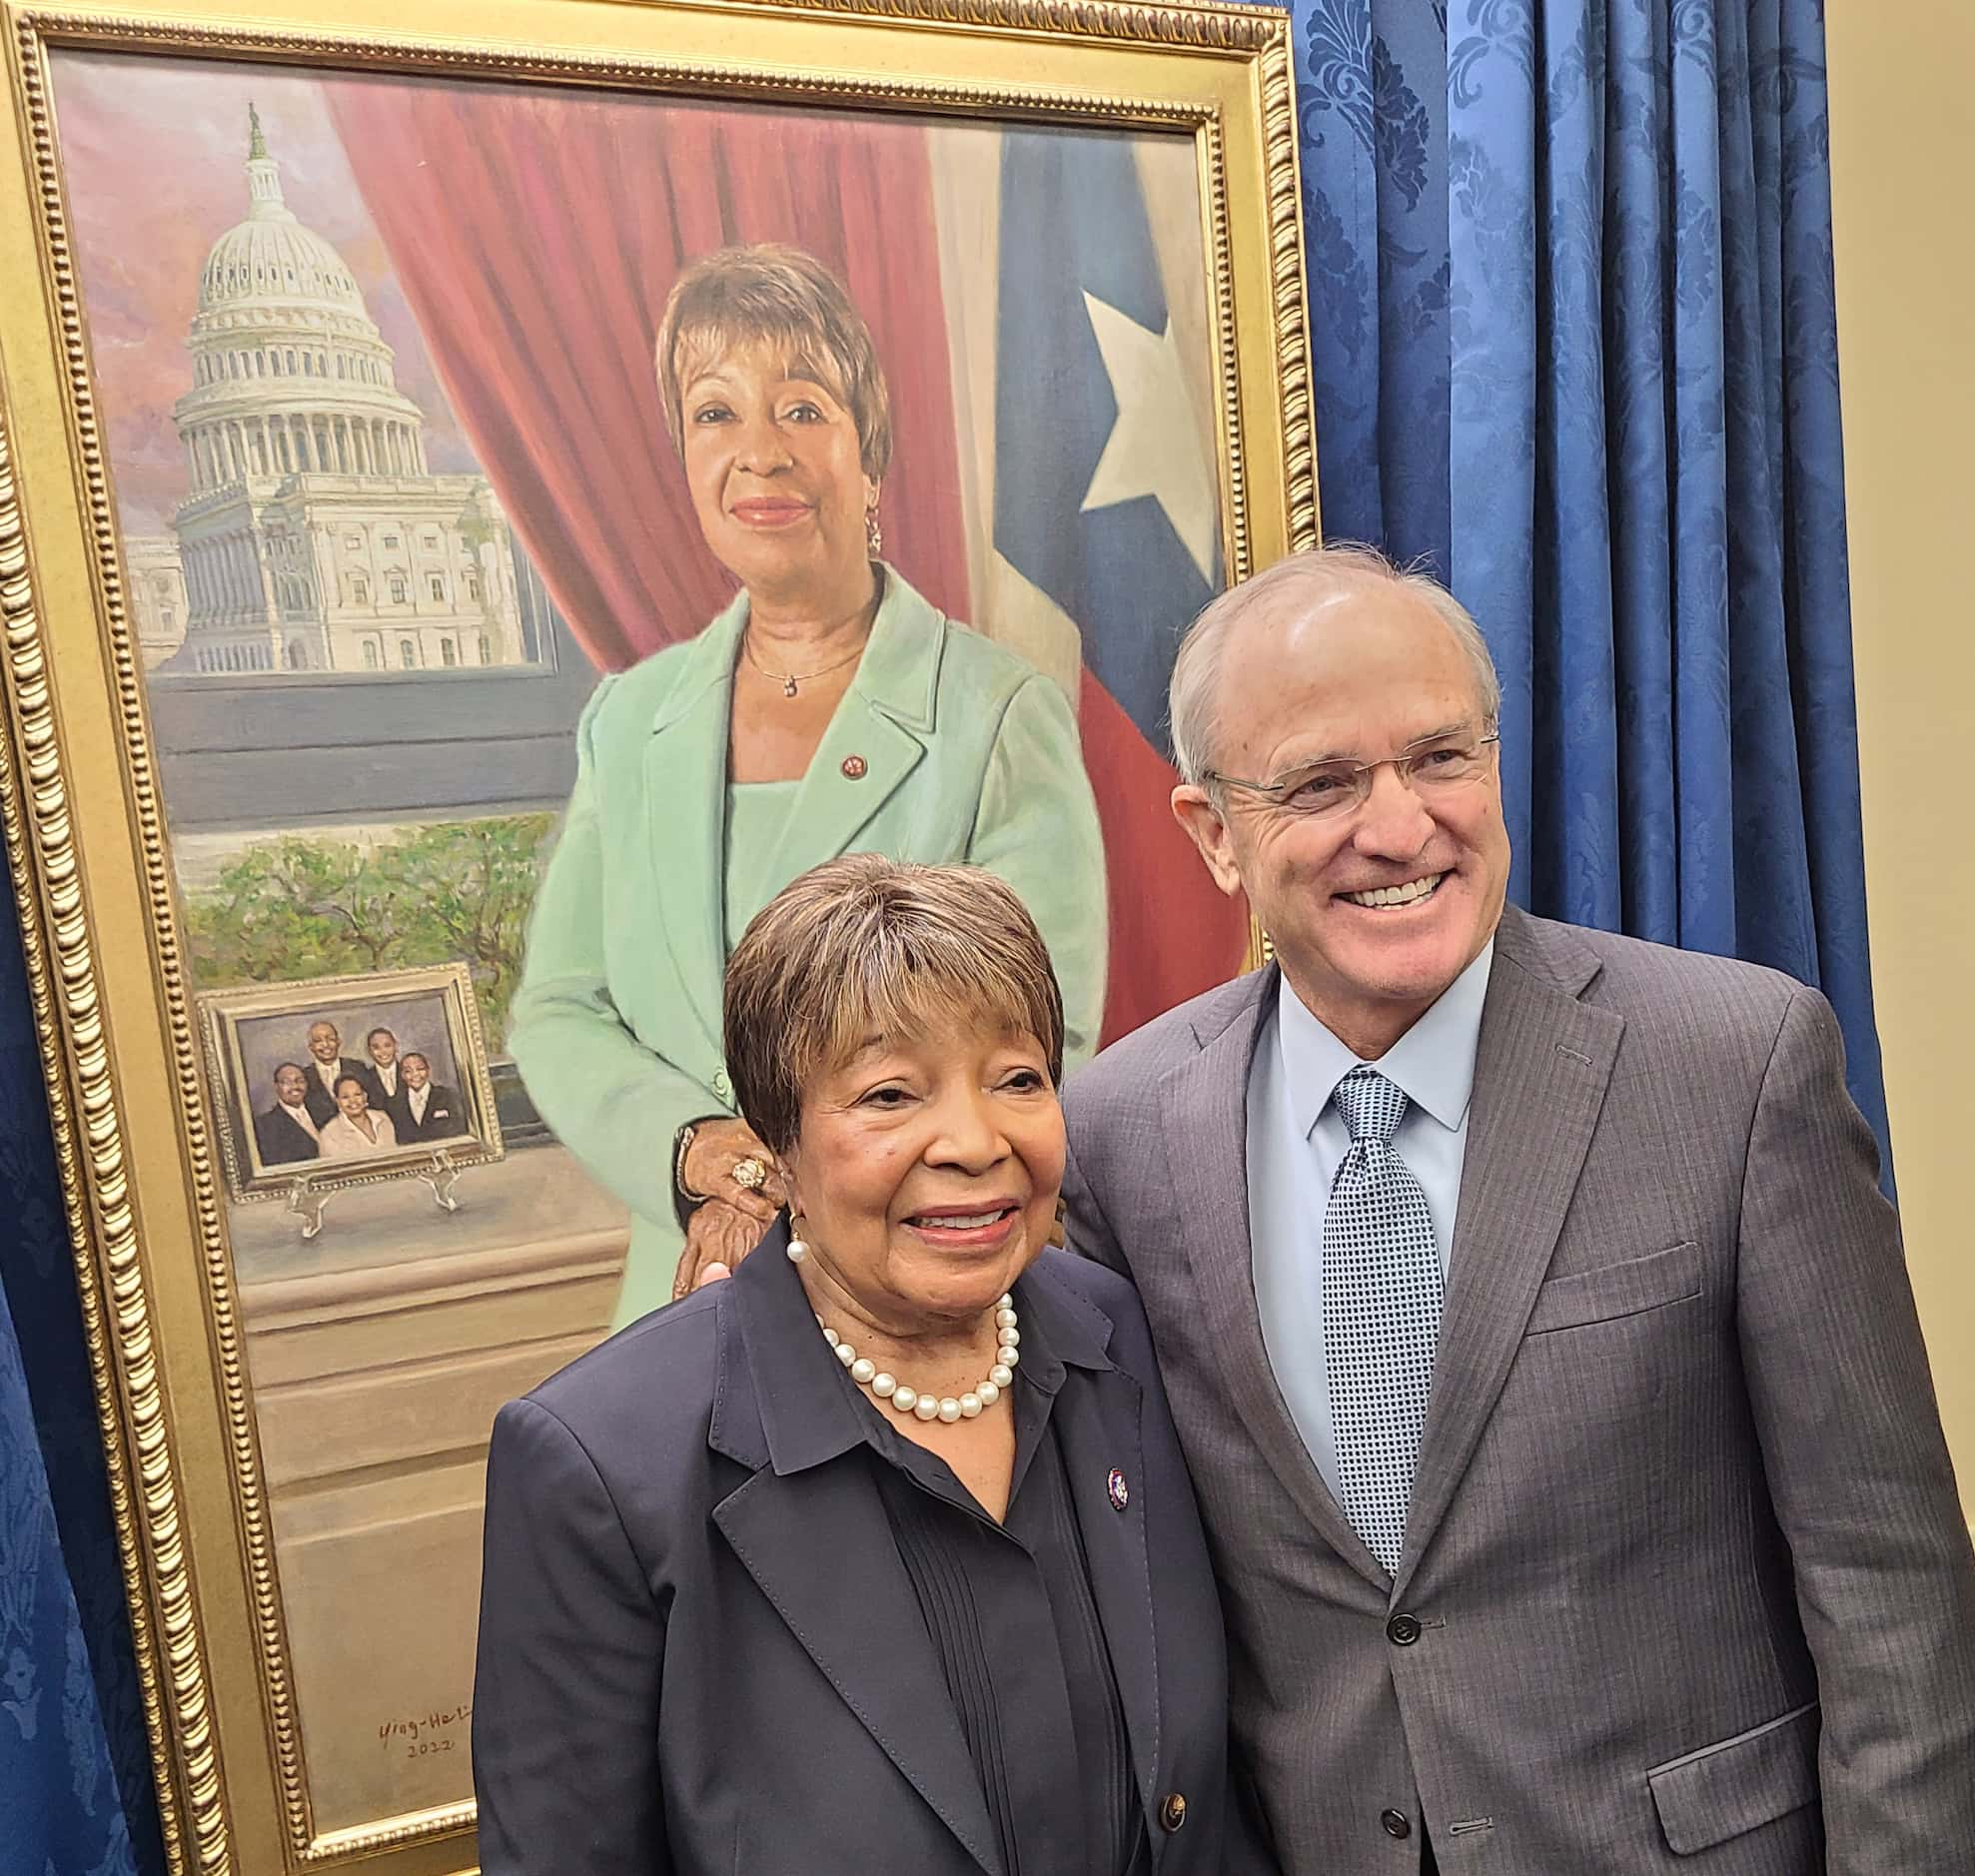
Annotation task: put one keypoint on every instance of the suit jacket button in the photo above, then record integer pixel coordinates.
(722, 1085)
(1395, 1823)
(1403, 1630)
(1173, 1811)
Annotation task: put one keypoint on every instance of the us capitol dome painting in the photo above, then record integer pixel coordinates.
(315, 539)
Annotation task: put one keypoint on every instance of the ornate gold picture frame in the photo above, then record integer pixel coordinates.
(292, 673)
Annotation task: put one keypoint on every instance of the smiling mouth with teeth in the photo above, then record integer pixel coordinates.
(1381, 897)
(960, 1220)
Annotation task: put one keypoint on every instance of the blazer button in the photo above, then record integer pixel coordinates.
(1173, 1812)
(1395, 1823)
(722, 1085)
(1403, 1630)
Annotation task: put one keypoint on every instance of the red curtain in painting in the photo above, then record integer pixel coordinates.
(536, 234)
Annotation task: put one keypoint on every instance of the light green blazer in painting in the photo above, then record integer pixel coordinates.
(969, 753)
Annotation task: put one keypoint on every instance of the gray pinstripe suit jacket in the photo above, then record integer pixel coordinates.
(1692, 1587)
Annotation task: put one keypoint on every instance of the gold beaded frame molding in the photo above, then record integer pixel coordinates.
(213, 1329)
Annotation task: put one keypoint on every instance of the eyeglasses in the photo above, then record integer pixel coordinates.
(1325, 788)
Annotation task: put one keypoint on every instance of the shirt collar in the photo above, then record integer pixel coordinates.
(810, 1411)
(1434, 1061)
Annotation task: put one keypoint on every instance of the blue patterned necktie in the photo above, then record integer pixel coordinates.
(1382, 1315)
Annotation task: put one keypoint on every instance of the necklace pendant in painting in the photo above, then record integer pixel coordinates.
(788, 687)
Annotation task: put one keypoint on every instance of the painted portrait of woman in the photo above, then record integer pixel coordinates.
(828, 708)
(631, 500)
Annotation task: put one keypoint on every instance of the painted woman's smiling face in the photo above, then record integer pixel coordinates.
(926, 1172)
(777, 471)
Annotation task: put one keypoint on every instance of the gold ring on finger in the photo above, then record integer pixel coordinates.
(751, 1175)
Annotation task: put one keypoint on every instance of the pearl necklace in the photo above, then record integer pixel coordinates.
(866, 1374)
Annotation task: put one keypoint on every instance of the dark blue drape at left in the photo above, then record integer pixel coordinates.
(1570, 270)
(75, 1766)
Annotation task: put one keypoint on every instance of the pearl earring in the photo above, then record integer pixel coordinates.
(797, 1250)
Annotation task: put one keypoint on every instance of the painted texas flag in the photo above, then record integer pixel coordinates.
(1086, 427)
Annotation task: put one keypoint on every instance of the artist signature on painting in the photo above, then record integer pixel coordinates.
(424, 1734)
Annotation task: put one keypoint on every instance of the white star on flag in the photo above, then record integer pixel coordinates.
(1152, 448)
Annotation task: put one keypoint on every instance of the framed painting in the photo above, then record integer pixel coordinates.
(448, 464)
(296, 1117)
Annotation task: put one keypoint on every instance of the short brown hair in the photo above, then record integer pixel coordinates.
(863, 945)
(769, 293)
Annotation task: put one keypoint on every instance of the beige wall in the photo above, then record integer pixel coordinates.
(1902, 170)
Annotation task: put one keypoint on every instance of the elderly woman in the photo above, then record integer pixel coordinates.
(881, 1556)
(827, 707)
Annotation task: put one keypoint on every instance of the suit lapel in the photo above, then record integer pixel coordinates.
(1097, 1425)
(813, 1534)
(851, 1618)
(875, 739)
(685, 779)
(857, 768)
(1204, 1100)
(1540, 1071)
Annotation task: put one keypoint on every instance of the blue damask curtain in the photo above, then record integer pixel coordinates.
(1576, 345)
(75, 1767)
(1571, 308)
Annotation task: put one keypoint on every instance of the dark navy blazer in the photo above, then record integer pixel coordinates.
(699, 1650)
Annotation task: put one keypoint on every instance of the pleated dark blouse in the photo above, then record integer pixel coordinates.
(1013, 1620)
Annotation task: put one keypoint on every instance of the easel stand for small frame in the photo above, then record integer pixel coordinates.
(307, 1202)
(441, 1175)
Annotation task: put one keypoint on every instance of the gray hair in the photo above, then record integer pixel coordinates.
(1193, 697)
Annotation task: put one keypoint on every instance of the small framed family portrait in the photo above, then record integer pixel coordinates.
(426, 437)
(342, 1081)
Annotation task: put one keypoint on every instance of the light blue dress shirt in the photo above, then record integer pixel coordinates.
(1297, 1141)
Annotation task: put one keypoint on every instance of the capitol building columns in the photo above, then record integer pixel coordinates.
(315, 535)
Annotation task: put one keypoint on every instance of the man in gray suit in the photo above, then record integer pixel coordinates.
(1540, 1340)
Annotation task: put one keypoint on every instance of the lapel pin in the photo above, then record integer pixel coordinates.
(1121, 1494)
(855, 769)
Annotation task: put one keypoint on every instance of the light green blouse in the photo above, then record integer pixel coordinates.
(756, 814)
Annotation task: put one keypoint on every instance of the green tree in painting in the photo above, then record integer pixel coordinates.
(301, 906)
(470, 885)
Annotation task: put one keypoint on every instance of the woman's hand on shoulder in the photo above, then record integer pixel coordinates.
(718, 1148)
(717, 1237)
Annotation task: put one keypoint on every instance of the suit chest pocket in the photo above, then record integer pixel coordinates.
(1617, 1291)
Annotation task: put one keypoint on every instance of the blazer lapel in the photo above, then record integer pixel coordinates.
(858, 1621)
(1540, 1071)
(855, 1614)
(1204, 1100)
(1097, 1425)
(685, 779)
(875, 739)
(856, 769)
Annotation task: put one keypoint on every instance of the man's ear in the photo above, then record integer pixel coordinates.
(1194, 810)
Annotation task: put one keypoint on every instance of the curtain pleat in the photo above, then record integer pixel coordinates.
(536, 234)
(1641, 458)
